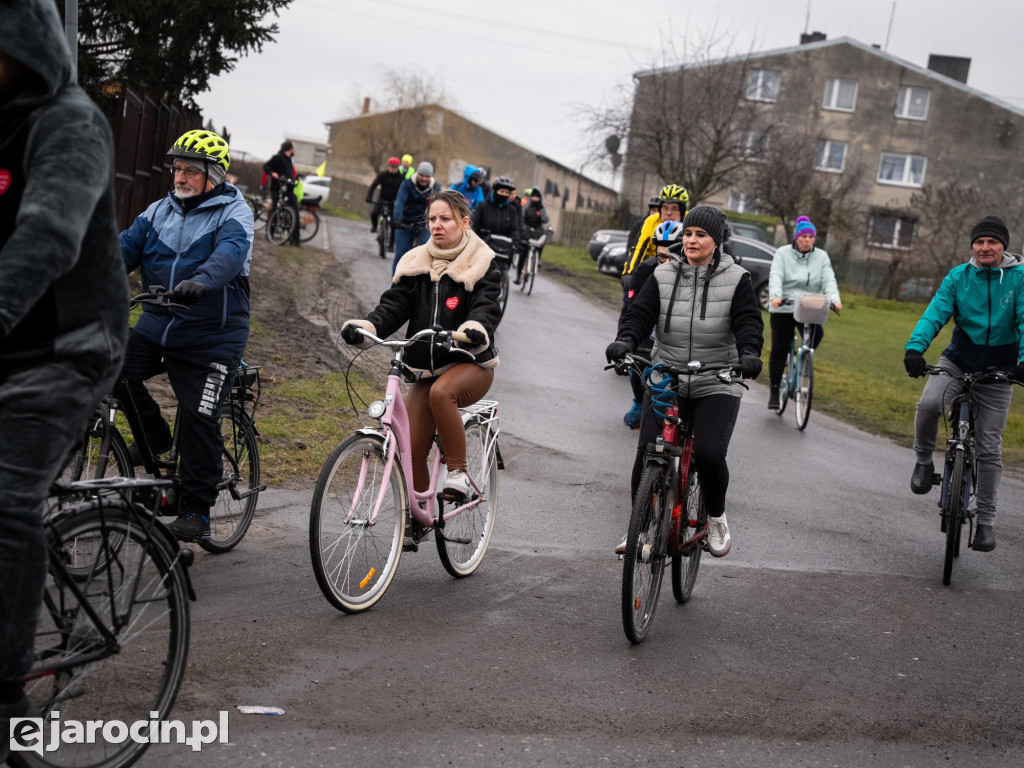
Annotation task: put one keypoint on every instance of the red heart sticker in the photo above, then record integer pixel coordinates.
(452, 303)
(630, 294)
(5, 180)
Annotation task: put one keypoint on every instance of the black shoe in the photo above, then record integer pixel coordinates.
(921, 481)
(193, 522)
(984, 538)
(773, 399)
(373, 230)
(517, 281)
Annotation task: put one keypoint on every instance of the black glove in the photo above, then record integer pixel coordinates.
(401, 225)
(476, 338)
(617, 350)
(915, 364)
(187, 292)
(750, 366)
(352, 334)
(1017, 374)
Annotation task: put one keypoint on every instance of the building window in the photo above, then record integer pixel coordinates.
(897, 168)
(888, 230)
(763, 85)
(831, 156)
(740, 202)
(752, 145)
(547, 186)
(912, 102)
(840, 94)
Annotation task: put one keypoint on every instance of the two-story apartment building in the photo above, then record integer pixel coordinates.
(903, 125)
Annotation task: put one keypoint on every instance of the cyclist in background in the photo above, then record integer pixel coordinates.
(198, 239)
(667, 233)
(389, 181)
(653, 206)
(63, 307)
(797, 268)
(411, 204)
(497, 215)
(985, 299)
(279, 167)
(471, 185)
(701, 307)
(535, 218)
(406, 168)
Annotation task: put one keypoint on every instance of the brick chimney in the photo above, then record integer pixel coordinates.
(366, 105)
(812, 37)
(953, 67)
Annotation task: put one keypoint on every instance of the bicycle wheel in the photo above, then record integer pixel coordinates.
(684, 567)
(953, 513)
(144, 588)
(804, 389)
(785, 384)
(354, 557)
(86, 461)
(279, 226)
(309, 224)
(534, 263)
(259, 214)
(383, 233)
(644, 562)
(233, 511)
(503, 296)
(468, 534)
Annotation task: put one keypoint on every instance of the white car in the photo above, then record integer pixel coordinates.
(317, 186)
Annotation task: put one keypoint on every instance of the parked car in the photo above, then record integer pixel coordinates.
(745, 229)
(602, 237)
(916, 289)
(611, 259)
(755, 257)
(317, 185)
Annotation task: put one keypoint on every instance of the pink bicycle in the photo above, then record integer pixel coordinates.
(365, 512)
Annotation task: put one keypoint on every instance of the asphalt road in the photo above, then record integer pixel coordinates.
(825, 638)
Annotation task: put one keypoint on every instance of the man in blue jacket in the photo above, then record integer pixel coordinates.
(985, 298)
(471, 185)
(197, 240)
(410, 211)
(63, 304)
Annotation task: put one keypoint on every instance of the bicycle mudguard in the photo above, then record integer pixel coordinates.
(370, 431)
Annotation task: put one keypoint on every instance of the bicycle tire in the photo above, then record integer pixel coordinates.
(534, 266)
(804, 390)
(259, 218)
(785, 384)
(503, 295)
(643, 566)
(231, 517)
(146, 671)
(279, 225)
(309, 224)
(354, 562)
(953, 512)
(467, 535)
(383, 233)
(685, 565)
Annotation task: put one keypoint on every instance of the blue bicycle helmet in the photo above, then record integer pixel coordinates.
(668, 232)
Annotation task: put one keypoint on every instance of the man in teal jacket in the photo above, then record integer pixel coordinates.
(985, 298)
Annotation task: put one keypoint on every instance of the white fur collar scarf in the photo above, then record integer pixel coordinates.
(466, 263)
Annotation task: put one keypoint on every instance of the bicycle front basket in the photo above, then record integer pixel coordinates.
(811, 308)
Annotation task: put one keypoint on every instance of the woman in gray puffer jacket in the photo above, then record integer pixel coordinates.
(702, 307)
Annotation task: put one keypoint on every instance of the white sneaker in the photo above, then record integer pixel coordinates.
(719, 540)
(621, 549)
(457, 483)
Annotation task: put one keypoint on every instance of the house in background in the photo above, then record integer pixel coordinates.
(309, 153)
(360, 146)
(904, 125)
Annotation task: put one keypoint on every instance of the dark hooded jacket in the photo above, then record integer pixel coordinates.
(64, 292)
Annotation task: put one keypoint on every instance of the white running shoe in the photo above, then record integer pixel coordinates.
(621, 549)
(457, 483)
(719, 540)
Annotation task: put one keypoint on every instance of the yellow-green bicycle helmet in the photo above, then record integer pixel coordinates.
(674, 193)
(202, 145)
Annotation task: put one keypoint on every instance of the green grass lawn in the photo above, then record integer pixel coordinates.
(859, 374)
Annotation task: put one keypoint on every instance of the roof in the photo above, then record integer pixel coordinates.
(924, 71)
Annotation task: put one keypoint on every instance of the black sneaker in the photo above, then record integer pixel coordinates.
(921, 481)
(984, 538)
(773, 399)
(192, 526)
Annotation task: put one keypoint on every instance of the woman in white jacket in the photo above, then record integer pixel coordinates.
(797, 268)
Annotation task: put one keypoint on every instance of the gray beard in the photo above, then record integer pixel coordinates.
(183, 194)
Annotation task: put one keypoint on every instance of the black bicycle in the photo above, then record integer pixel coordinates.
(103, 451)
(113, 633)
(284, 218)
(385, 230)
(504, 257)
(959, 480)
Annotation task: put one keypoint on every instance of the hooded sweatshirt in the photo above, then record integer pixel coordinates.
(64, 291)
(987, 308)
(473, 196)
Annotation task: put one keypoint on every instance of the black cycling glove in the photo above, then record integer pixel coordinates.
(617, 350)
(750, 366)
(188, 292)
(1017, 374)
(351, 334)
(476, 338)
(915, 364)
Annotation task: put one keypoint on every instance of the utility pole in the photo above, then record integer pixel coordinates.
(888, 33)
(807, 21)
(71, 33)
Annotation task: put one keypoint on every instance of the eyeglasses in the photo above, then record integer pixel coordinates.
(189, 171)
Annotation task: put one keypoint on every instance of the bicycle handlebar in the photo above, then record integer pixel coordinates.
(157, 296)
(446, 341)
(971, 378)
(724, 370)
(831, 304)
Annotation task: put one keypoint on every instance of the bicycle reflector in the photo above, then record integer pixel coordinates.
(376, 409)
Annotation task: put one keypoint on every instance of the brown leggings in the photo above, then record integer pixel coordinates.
(433, 405)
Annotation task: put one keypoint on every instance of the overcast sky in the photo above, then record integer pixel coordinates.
(520, 69)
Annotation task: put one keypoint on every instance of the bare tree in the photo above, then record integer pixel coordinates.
(687, 121)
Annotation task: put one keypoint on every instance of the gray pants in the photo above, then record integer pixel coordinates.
(993, 403)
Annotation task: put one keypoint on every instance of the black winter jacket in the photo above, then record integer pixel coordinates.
(282, 165)
(505, 220)
(389, 183)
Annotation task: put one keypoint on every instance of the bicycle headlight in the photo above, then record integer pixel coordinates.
(376, 409)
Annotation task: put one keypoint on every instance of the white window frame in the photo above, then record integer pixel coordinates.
(823, 152)
(908, 161)
(904, 97)
(757, 87)
(742, 202)
(832, 86)
(753, 145)
(899, 222)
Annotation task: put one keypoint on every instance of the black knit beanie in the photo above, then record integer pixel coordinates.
(711, 220)
(991, 226)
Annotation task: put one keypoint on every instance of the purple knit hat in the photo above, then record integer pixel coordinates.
(803, 227)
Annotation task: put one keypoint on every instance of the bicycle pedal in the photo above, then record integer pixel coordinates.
(936, 478)
(409, 545)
